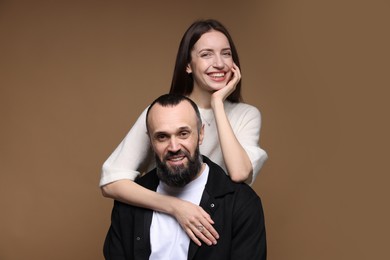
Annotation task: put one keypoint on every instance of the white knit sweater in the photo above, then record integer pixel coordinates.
(134, 155)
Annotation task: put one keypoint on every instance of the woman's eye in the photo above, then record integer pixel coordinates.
(206, 54)
(228, 54)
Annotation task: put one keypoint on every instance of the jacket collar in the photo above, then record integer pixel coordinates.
(218, 183)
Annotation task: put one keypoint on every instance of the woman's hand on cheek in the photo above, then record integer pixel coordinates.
(224, 92)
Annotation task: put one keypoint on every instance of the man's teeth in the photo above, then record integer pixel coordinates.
(176, 159)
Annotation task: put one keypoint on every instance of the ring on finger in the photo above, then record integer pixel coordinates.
(200, 228)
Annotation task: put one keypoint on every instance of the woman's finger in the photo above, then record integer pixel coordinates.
(193, 236)
(209, 231)
(206, 233)
(200, 232)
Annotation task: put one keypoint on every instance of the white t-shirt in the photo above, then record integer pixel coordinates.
(134, 155)
(167, 239)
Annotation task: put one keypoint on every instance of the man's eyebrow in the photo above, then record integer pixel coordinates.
(159, 133)
(184, 128)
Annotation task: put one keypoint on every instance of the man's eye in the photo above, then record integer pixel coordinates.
(161, 137)
(184, 134)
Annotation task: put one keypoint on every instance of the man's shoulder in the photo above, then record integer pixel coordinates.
(220, 183)
(148, 180)
(244, 191)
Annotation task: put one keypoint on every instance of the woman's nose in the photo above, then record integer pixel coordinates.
(218, 62)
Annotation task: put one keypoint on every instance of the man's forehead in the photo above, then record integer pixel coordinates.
(180, 115)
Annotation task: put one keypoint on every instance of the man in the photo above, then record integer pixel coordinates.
(175, 130)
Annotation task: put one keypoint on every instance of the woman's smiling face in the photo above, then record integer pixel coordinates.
(211, 61)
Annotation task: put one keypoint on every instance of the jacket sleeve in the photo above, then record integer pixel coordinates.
(113, 247)
(248, 237)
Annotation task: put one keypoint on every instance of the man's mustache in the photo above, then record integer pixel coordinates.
(179, 153)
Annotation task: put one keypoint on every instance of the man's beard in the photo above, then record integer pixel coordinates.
(179, 175)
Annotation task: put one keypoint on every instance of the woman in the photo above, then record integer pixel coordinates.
(207, 71)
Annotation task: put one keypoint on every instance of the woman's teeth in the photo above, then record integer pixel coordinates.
(217, 75)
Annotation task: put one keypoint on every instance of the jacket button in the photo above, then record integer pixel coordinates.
(138, 238)
(212, 205)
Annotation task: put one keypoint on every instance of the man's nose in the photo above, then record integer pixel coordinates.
(174, 145)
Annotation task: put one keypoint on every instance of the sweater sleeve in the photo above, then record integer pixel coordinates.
(247, 125)
(131, 157)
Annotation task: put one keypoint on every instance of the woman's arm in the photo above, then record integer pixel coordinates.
(187, 214)
(238, 164)
(130, 158)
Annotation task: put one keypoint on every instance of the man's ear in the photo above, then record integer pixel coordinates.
(201, 134)
(188, 69)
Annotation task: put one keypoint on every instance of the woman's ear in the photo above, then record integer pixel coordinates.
(188, 69)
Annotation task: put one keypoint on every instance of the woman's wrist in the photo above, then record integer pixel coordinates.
(170, 205)
(216, 103)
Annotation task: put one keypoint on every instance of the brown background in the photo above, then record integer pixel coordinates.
(76, 74)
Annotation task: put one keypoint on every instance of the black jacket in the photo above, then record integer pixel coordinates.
(235, 208)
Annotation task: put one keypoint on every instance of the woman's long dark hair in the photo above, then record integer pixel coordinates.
(182, 82)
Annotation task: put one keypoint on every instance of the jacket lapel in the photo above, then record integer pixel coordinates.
(209, 204)
(215, 187)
